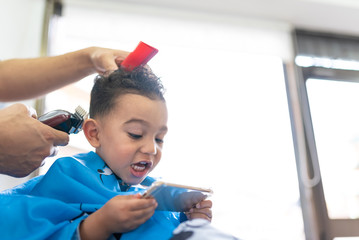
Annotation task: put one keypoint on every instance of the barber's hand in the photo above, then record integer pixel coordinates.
(24, 141)
(201, 210)
(107, 60)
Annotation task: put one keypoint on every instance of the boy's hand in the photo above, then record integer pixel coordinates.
(201, 210)
(120, 214)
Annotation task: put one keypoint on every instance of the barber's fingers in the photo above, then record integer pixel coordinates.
(54, 151)
(60, 138)
(118, 61)
(113, 66)
(118, 56)
(105, 60)
(23, 109)
(51, 135)
(31, 111)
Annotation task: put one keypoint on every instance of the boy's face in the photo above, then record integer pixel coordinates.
(131, 136)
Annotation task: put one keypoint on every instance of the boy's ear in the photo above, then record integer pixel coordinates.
(91, 131)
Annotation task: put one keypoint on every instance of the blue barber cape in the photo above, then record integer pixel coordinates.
(52, 206)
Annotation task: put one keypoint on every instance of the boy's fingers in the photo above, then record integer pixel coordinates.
(138, 202)
(193, 215)
(147, 203)
(204, 204)
(206, 211)
(137, 195)
(129, 196)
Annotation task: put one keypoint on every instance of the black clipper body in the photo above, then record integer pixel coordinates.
(65, 121)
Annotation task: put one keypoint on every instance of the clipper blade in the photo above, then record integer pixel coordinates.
(65, 121)
(81, 113)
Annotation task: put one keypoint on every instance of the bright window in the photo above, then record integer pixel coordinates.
(335, 119)
(229, 126)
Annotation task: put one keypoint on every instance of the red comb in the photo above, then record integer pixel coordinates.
(140, 56)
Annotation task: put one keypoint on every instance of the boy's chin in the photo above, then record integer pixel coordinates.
(135, 181)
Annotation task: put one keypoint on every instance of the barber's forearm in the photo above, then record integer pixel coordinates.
(28, 78)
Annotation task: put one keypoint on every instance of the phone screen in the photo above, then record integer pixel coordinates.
(177, 198)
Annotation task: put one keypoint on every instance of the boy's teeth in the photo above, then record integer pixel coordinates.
(139, 166)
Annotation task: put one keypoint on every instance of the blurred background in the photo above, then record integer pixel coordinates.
(262, 98)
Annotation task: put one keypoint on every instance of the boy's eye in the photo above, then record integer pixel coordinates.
(158, 140)
(134, 136)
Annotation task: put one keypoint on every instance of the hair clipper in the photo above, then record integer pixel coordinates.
(65, 121)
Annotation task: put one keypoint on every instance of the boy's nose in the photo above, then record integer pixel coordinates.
(150, 147)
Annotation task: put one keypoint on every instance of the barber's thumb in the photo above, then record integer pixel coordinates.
(60, 138)
(25, 109)
(31, 111)
(118, 61)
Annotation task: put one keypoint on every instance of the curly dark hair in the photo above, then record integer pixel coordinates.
(107, 89)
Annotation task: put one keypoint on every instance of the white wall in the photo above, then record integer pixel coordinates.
(21, 26)
(277, 40)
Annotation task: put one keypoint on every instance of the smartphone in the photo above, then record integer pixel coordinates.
(176, 197)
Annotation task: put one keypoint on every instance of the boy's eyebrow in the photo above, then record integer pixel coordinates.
(136, 120)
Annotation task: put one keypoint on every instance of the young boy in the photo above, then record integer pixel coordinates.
(95, 195)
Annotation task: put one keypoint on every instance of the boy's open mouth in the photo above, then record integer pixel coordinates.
(141, 166)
